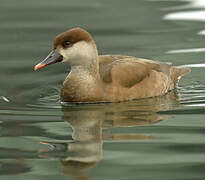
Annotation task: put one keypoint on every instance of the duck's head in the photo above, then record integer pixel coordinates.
(75, 47)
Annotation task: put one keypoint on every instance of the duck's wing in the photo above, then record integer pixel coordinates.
(127, 71)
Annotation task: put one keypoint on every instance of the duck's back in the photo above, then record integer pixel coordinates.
(139, 77)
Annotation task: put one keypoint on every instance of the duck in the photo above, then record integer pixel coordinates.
(95, 78)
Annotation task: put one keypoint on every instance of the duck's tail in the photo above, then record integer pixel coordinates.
(176, 72)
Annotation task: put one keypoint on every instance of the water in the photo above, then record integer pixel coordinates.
(156, 138)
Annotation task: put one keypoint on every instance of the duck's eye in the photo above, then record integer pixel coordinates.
(66, 43)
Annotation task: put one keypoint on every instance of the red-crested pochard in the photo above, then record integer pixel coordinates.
(107, 78)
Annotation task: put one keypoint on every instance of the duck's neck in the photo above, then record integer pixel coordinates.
(90, 68)
(83, 72)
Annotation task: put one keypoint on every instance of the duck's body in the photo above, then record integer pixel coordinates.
(108, 78)
(120, 78)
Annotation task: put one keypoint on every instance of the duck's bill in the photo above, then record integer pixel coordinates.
(52, 58)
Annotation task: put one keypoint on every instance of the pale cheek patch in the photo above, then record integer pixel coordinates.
(63, 53)
(68, 54)
(80, 53)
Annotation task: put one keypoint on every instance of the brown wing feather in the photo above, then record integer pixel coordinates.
(127, 70)
(127, 74)
(106, 64)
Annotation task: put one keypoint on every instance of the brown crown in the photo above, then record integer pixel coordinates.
(73, 35)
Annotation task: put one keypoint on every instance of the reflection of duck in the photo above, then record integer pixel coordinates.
(108, 78)
(88, 122)
(87, 135)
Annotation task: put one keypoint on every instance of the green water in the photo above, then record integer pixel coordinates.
(156, 138)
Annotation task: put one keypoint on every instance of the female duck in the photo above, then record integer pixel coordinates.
(107, 78)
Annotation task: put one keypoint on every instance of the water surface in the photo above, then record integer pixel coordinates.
(155, 138)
